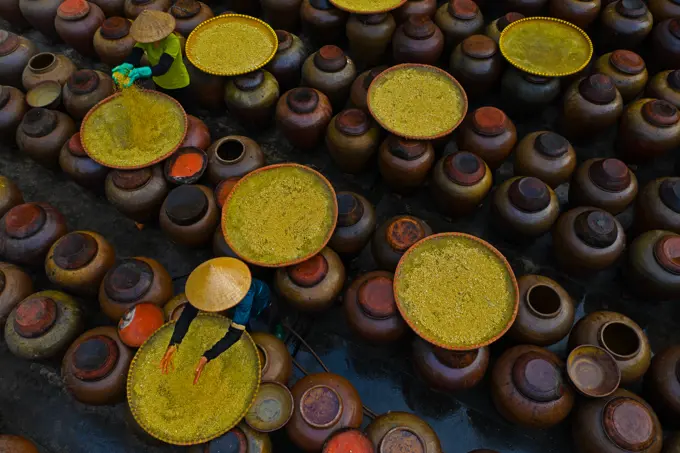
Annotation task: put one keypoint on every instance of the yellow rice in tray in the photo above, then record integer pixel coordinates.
(367, 6)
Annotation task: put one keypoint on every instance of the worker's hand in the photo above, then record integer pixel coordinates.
(139, 73)
(123, 69)
(167, 363)
(199, 369)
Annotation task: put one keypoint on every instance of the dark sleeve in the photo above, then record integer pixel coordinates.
(163, 65)
(135, 57)
(182, 326)
(227, 341)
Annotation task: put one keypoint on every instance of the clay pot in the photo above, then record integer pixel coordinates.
(95, 367)
(477, 64)
(665, 86)
(16, 444)
(418, 40)
(189, 14)
(41, 14)
(302, 115)
(286, 66)
(627, 70)
(496, 27)
(330, 71)
(415, 8)
(234, 155)
(460, 182)
(241, 439)
(653, 272)
(15, 51)
(666, 44)
(207, 90)
(488, 133)
(111, 8)
(546, 156)
(526, 7)
(621, 421)
(251, 98)
(649, 128)
(620, 336)
(198, 134)
(47, 66)
(139, 323)
(85, 89)
(527, 93)
(284, 15)
(458, 19)
(137, 194)
(394, 237)
(132, 281)
(348, 439)
(528, 387)
(402, 431)
(581, 13)
(112, 41)
(313, 285)
(174, 307)
(324, 403)
(358, 94)
(624, 24)
(10, 195)
(27, 232)
(587, 240)
(134, 7)
(78, 261)
(607, 184)
(356, 223)
(370, 36)
(11, 12)
(322, 21)
(663, 9)
(546, 312)
(449, 371)
(658, 206)
(42, 133)
(277, 363)
(77, 164)
(15, 286)
(404, 164)
(77, 21)
(352, 139)
(12, 110)
(662, 385)
(43, 325)
(189, 215)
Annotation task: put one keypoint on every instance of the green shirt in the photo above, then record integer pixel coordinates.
(177, 76)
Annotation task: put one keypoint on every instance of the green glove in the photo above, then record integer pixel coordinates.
(123, 69)
(139, 73)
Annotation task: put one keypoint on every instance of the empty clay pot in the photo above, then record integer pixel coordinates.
(402, 431)
(231, 156)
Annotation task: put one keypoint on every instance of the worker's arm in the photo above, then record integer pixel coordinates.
(182, 326)
(238, 325)
(135, 56)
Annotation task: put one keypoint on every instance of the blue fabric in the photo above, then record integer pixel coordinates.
(255, 301)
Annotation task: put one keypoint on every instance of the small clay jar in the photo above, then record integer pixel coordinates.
(496, 27)
(77, 21)
(251, 98)
(137, 194)
(10, 195)
(15, 286)
(658, 206)
(663, 9)
(41, 14)
(404, 164)
(371, 310)
(627, 70)
(460, 182)
(234, 155)
(323, 22)
(42, 133)
(546, 312)
(302, 115)
(458, 19)
(620, 336)
(488, 133)
(85, 89)
(587, 240)
(649, 128)
(607, 184)
(358, 94)
(449, 371)
(619, 422)
(330, 71)
(415, 8)
(528, 387)
(174, 307)
(396, 235)
(418, 40)
(12, 110)
(132, 281)
(95, 367)
(314, 284)
(666, 44)
(356, 223)
(189, 215)
(79, 166)
(527, 93)
(27, 232)
(662, 386)
(477, 64)
(370, 36)
(624, 24)
(133, 8)
(665, 86)
(526, 7)
(276, 361)
(652, 268)
(352, 138)
(324, 403)
(397, 431)
(241, 439)
(590, 106)
(524, 206)
(47, 66)
(581, 13)
(111, 8)
(198, 134)
(112, 41)
(15, 51)
(286, 66)
(188, 14)
(546, 156)
(283, 15)
(16, 444)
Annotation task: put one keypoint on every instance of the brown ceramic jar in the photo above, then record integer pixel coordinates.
(174, 307)
(330, 71)
(42, 133)
(664, 9)
(526, 7)
(626, 69)
(460, 182)
(324, 403)
(41, 14)
(251, 98)
(477, 64)
(415, 8)
(619, 422)
(581, 13)
(546, 156)
(286, 66)
(404, 164)
(653, 271)
(370, 36)
(111, 8)
(277, 363)
(665, 44)
(658, 206)
(85, 89)
(323, 22)
(11, 12)
(27, 232)
(528, 387)
(133, 8)
(607, 184)
(312, 285)
(15, 286)
(77, 21)
(458, 19)
(449, 371)
(302, 115)
(624, 24)
(132, 281)
(356, 223)
(488, 133)
(137, 194)
(528, 94)
(78, 166)
(16, 444)
(358, 94)
(95, 367)
(418, 40)
(112, 41)
(234, 155)
(496, 27)
(665, 86)
(12, 110)
(282, 15)
(188, 14)
(206, 89)
(524, 206)
(198, 134)
(546, 312)
(397, 431)
(620, 336)
(47, 66)
(10, 195)
(15, 52)
(649, 128)
(189, 215)
(352, 139)
(396, 235)
(662, 385)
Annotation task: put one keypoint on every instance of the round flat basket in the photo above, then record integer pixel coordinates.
(546, 46)
(231, 44)
(456, 291)
(367, 6)
(170, 407)
(280, 215)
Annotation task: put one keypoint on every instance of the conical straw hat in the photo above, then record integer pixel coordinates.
(151, 26)
(218, 284)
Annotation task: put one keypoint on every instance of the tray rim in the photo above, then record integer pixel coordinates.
(292, 406)
(375, 11)
(492, 249)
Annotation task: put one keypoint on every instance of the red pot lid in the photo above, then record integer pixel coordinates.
(352, 122)
(128, 281)
(115, 28)
(8, 42)
(611, 175)
(402, 439)
(330, 59)
(464, 168)
(309, 272)
(75, 146)
(321, 406)
(629, 424)
(139, 323)
(348, 441)
(131, 179)
(537, 377)
(403, 232)
(186, 205)
(551, 144)
(406, 149)
(596, 228)
(529, 194)
(75, 250)
(95, 358)
(224, 188)
(24, 220)
(669, 192)
(463, 9)
(350, 209)
(598, 89)
(419, 27)
(73, 9)
(660, 113)
(376, 298)
(667, 253)
(489, 121)
(479, 47)
(35, 316)
(627, 62)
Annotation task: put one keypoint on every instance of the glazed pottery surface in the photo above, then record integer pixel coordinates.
(449, 371)
(607, 184)
(276, 361)
(15, 52)
(138, 194)
(402, 431)
(546, 156)
(15, 286)
(356, 223)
